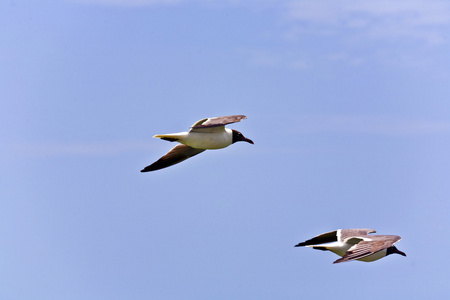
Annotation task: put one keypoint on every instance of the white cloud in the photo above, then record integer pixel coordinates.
(51, 149)
(208, 3)
(129, 2)
(418, 19)
(370, 124)
(388, 32)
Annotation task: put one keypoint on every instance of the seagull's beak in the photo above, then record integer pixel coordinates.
(248, 141)
(401, 252)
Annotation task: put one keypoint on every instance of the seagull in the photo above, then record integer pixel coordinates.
(355, 244)
(209, 133)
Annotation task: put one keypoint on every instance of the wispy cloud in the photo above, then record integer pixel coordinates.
(326, 33)
(371, 124)
(52, 149)
(208, 3)
(129, 2)
(422, 20)
(418, 19)
(322, 32)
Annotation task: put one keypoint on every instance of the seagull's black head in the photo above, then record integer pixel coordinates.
(239, 137)
(393, 249)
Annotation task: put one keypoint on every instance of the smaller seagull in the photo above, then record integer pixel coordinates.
(355, 244)
(209, 133)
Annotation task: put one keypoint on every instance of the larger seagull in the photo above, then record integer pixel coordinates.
(355, 244)
(209, 133)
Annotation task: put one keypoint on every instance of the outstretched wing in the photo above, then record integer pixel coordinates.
(218, 121)
(323, 238)
(366, 248)
(360, 250)
(175, 155)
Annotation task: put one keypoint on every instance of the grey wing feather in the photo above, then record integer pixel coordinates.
(385, 241)
(176, 155)
(392, 238)
(218, 121)
(347, 233)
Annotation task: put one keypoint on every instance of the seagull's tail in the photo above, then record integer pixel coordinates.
(171, 137)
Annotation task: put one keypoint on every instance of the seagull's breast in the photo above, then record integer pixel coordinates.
(377, 255)
(208, 140)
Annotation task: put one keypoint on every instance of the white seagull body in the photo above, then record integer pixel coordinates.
(202, 138)
(209, 133)
(355, 244)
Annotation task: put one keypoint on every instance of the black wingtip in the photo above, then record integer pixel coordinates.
(300, 245)
(338, 261)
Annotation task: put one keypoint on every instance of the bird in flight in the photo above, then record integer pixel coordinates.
(355, 244)
(209, 133)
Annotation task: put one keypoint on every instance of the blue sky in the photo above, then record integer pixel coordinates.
(348, 106)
